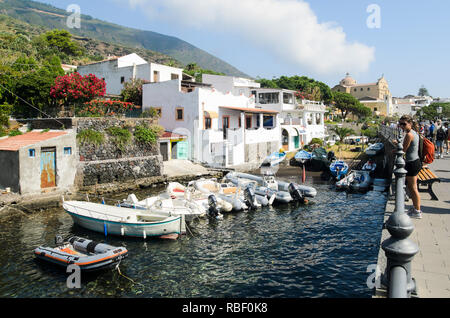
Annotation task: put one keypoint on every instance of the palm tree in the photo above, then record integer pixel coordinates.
(342, 132)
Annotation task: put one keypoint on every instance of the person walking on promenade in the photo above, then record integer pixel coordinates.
(447, 140)
(441, 137)
(413, 162)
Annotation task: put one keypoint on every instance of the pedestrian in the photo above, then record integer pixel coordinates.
(441, 137)
(447, 140)
(413, 162)
(432, 131)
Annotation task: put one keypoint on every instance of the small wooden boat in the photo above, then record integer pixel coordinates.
(375, 149)
(113, 220)
(339, 169)
(274, 159)
(86, 254)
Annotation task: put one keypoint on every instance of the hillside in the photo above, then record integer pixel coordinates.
(13, 30)
(109, 34)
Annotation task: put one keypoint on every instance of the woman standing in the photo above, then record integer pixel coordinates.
(413, 162)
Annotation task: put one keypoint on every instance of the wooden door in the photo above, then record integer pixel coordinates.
(48, 168)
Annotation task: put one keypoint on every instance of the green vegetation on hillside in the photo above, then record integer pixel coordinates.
(104, 32)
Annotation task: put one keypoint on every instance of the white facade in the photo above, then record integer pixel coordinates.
(300, 122)
(220, 127)
(119, 70)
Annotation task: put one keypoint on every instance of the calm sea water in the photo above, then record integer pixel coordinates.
(318, 250)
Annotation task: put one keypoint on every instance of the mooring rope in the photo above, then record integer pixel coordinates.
(120, 273)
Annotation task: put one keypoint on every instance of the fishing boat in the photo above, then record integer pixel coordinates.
(274, 159)
(303, 156)
(164, 204)
(339, 169)
(113, 220)
(88, 255)
(375, 149)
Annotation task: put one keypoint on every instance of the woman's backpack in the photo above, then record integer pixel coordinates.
(426, 150)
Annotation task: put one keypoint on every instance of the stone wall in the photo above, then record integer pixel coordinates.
(108, 163)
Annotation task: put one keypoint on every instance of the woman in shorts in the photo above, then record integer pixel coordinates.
(413, 162)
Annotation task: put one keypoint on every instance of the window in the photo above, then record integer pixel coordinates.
(368, 88)
(225, 122)
(179, 114)
(208, 122)
(362, 89)
(68, 151)
(268, 98)
(122, 79)
(174, 76)
(288, 98)
(155, 76)
(268, 121)
(248, 122)
(32, 153)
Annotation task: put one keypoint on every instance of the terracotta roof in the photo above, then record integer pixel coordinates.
(28, 139)
(170, 135)
(251, 110)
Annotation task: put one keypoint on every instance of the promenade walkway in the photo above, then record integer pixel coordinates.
(431, 266)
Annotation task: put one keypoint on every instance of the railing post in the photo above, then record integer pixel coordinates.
(399, 250)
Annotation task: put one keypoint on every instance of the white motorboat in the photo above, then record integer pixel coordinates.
(164, 204)
(113, 220)
(190, 193)
(357, 180)
(375, 149)
(240, 199)
(268, 185)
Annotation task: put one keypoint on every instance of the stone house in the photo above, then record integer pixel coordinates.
(38, 161)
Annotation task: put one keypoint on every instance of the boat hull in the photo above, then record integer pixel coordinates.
(153, 229)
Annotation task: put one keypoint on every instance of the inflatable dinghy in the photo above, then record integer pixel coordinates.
(87, 254)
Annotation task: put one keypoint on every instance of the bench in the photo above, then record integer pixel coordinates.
(427, 177)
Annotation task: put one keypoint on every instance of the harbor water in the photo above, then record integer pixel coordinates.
(322, 249)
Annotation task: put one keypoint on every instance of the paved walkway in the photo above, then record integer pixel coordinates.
(431, 266)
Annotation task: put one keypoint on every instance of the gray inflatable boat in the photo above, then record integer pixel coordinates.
(87, 254)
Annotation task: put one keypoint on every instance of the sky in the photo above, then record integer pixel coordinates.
(404, 40)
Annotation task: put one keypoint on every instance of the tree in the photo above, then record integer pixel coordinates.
(30, 85)
(196, 71)
(132, 91)
(74, 89)
(423, 91)
(431, 112)
(58, 42)
(346, 103)
(306, 87)
(342, 132)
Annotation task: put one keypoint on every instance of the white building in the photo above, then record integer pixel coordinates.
(118, 70)
(300, 121)
(221, 128)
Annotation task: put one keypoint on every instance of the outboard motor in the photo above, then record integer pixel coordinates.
(331, 156)
(250, 197)
(213, 211)
(296, 193)
(59, 241)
